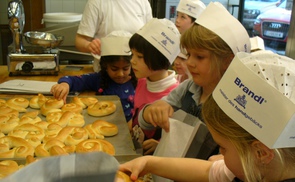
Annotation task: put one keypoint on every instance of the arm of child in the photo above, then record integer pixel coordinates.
(158, 114)
(177, 169)
(60, 91)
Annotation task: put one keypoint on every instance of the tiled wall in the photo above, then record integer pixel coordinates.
(74, 6)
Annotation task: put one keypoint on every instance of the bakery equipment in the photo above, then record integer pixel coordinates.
(40, 56)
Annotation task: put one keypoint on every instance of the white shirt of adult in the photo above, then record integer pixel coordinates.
(101, 17)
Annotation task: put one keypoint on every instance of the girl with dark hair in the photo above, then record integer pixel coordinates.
(115, 77)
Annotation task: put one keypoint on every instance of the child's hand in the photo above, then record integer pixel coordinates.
(136, 167)
(60, 91)
(158, 114)
(149, 146)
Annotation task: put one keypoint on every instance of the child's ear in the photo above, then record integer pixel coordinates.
(262, 153)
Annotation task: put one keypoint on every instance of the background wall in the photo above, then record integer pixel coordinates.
(73, 6)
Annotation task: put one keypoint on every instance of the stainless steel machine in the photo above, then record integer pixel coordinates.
(41, 57)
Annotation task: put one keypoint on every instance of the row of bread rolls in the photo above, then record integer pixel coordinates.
(30, 139)
(60, 133)
(47, 105)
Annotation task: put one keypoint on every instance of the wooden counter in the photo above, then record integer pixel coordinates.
(65, 70)
(4, 75)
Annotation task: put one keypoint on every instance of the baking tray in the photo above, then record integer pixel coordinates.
(122, 141)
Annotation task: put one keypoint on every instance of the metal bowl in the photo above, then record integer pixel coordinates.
(44, 39)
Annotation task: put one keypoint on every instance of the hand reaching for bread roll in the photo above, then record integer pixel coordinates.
(60, 91)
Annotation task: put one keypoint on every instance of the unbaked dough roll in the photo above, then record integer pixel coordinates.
(101, 108)
(95, 145)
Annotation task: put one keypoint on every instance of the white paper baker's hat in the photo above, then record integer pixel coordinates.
(163, 35)
(257, 44)
(217, 19)
(116, 43)
(258, 92)
(192, 8)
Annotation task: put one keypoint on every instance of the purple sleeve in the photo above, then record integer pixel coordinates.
(84, 82)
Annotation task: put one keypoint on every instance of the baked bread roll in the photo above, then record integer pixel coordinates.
(8, 123)
(14, 147)
(51, 131)
(101, 127)
(51, 148)
(7, 167)
(19, 103)
(84, 102)
(72, 107)
(122, 177)
(31, 133)
(5, 110)
(51, 105)
(72, 135)
(95, 145)
(36, 102)
(101, 108)
(66, 118)
(30, 117)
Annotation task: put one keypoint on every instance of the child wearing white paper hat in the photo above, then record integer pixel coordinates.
(179, 65)
(154, 47)
(187, 13)
(114, 78)
(211, 44)
(252, 153)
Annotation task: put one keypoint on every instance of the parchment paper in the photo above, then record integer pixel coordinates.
(90, 167)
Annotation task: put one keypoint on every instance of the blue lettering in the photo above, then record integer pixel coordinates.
(248, 91)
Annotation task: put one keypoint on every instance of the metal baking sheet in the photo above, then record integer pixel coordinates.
(122, 141)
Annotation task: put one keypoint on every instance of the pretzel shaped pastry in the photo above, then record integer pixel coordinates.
(72, 135)
(101, 127)
(52, 148)
(51, 131)
(51, 105)
(72, 107)
(95, 145)
(101, 108)
(18, 103)
(37, 101)
(31, 133)
(84, 102)
(8, 123)
(30, 117)
(7, 167)
(5, 110)
(14, 147)
(66, 118)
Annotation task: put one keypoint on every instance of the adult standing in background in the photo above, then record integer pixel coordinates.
(101, 17)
